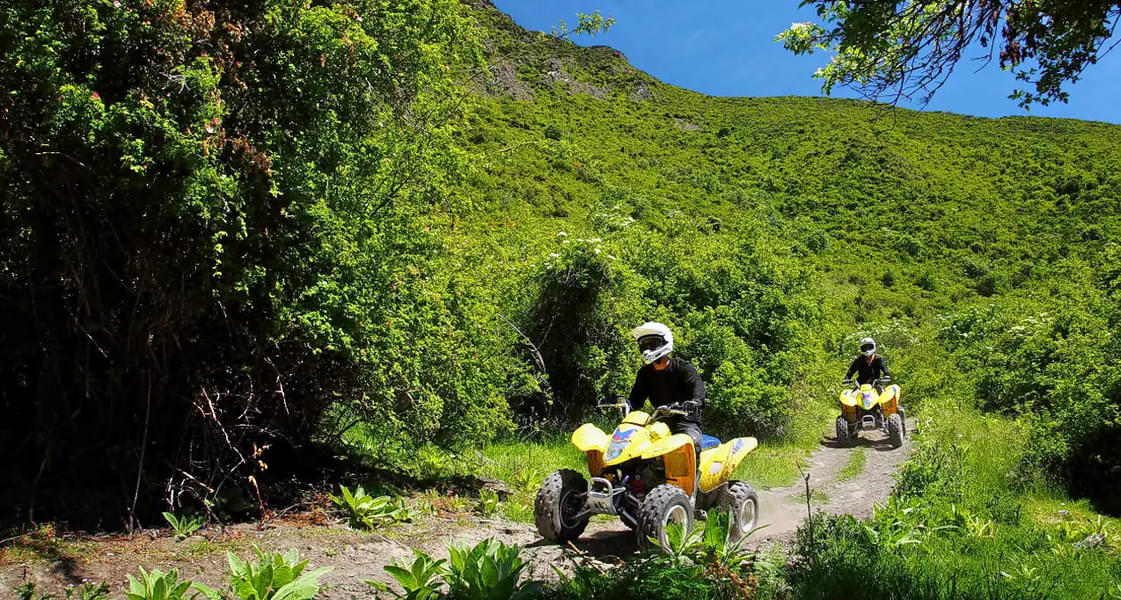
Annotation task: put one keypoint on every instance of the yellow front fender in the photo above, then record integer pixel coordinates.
(679, 460)
(666, 445)
(589, 437)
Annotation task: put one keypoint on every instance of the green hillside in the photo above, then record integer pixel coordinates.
(774, 232)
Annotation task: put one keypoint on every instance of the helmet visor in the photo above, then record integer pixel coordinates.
(867, 347)
(650, 342)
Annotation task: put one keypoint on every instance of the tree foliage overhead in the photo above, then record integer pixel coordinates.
(893, 50)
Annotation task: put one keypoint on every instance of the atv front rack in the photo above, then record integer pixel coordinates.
(601, 497)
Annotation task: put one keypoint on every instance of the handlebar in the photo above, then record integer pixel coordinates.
(875, 382)
(620, 404)
(682, 409)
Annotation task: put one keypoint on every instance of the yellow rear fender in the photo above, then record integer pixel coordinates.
(719, 463)
(589, 437)
(666, 445)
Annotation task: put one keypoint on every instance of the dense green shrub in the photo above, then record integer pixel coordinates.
(578, 322)
(1054, 361)
(208, 231)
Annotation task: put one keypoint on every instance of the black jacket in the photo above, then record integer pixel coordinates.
(678, 382)
(868, 372)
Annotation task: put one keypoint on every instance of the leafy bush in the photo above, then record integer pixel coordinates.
(488, 503)
(420, 581)
(489, 570)
(182, 527)
(276, 576)
(702, 563)
(576, 318)
(158, 585)
(248, 218)
(367, 512)
(1052, 361)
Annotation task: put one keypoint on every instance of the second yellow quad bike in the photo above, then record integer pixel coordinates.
(648, 478)
(865, 407)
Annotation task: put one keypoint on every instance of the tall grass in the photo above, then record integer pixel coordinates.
(958, 527)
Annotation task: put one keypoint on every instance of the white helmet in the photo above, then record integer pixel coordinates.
(654, 341)
(867, 346)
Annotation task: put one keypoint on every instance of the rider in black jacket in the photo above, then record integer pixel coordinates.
(665, 380)
(869, 366)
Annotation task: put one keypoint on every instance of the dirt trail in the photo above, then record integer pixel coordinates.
(784, 509)
(357, 556)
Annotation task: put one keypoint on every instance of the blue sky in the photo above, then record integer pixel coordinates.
(724, 48)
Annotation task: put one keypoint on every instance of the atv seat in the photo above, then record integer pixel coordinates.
(709, 441)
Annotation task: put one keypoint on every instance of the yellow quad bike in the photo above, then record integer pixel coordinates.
(647, 477)
(863, 408)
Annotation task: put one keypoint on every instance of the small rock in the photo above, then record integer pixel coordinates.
(1094, 540)
(1064, 514)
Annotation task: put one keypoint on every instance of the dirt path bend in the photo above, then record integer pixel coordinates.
(356, 556)
(784, 509)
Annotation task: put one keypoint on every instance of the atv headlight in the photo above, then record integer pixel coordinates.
(614, 450)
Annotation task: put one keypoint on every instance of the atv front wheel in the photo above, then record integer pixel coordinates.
(844, 438)
(895, 430)
(559, 502)
(902, 419)
(742, 502)
(665, 504)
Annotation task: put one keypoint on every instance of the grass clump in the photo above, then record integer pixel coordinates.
(855, 465)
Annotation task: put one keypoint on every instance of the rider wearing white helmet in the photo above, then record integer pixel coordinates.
(667, 380)
(869, 366)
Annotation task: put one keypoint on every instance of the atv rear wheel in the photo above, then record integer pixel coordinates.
(902, 419)
(559, 501)
(665, 504)
(742, 502)
(844, 437)
(895, 430)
